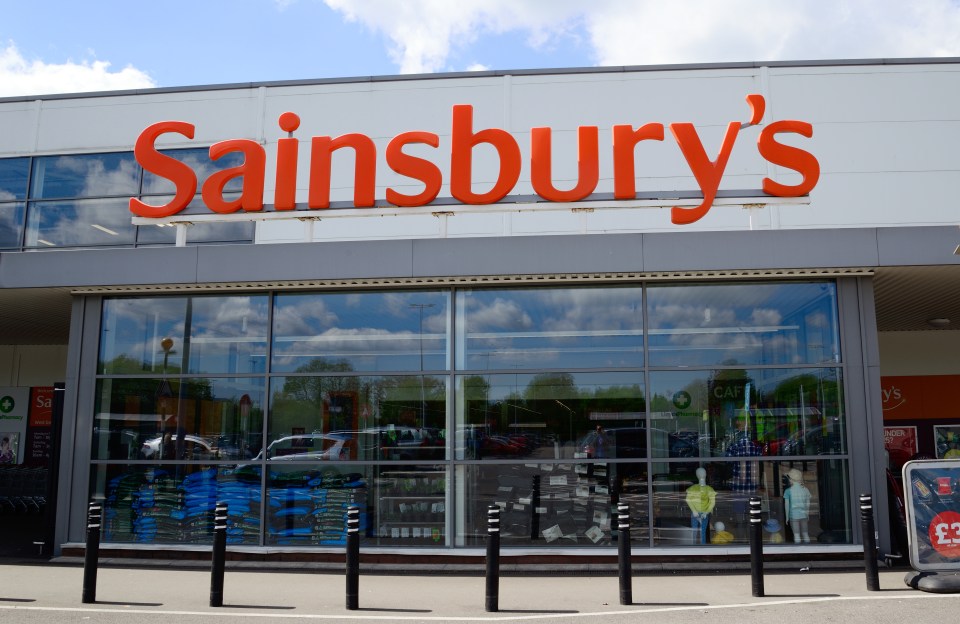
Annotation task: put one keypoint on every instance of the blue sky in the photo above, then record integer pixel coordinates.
(49, 46)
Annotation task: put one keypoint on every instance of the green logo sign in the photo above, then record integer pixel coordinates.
(7, 404)
(682, 400)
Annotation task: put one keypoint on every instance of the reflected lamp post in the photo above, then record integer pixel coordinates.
(423, 400)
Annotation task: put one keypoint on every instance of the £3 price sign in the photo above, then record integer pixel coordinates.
(945, 533)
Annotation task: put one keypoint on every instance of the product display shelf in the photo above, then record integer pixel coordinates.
(412, 507)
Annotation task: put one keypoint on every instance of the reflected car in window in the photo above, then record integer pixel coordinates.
(166, 447)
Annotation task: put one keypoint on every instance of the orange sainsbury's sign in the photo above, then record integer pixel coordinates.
(463, 139)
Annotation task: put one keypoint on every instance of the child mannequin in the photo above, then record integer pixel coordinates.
(701, 499)
(797, 502)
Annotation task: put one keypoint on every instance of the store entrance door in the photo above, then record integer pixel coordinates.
(28, 485)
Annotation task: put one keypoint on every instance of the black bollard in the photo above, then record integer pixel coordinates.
(92, 553)
(756, 547)
(623, 553)
(353, 558)
(869, 542)
(219, 558)
(493, 558)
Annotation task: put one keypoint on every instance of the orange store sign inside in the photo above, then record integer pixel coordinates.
(463, 139)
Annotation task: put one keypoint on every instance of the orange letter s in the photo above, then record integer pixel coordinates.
(164, 166)
(790, 157)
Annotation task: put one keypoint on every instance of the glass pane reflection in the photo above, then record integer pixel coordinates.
(551, 416)
(81, 223)
(85, 175)
(11, 224)
(362, 418)
(398, 331)
(142, 335)
(550, 328)
(730, 324)
(749, 412)
(13, 178)
(185, 419)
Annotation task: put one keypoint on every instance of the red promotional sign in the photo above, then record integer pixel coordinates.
(41, 406)
(901, 443)
(945, 534)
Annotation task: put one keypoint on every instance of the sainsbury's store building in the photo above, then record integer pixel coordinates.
(553, 291)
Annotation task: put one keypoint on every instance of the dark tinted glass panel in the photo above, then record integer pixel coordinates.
(85, 175)
(364, 418)
(803, 502)
(729, 324)
(553, 504)
(13, 178)
(396, 331)
(142, 335)
(174, 504)
(550, 328)
(199, 419)
(199, 161)
(744, 412)
(11, 224)
(228, 334)
(82, 223)
(552, 416)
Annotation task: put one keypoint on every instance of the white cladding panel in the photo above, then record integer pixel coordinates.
(884, 135)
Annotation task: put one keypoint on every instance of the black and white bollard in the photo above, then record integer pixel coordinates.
(623, 553)
(493, 558)
(353, 558)
(92, 552)
(218, 559)
(869, 542)
(756, 547)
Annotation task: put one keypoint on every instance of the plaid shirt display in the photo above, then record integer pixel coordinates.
(745, 473)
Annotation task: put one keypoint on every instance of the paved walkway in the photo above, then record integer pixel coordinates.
(145, 594)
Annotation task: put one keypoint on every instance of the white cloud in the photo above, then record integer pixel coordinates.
(19, 76)
(423, 34)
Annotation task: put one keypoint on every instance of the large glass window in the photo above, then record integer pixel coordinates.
(293, 406)
(79, 223)
(198, 419)
(11, 224)
(803, 502)
(550, 328)
(179, 334)
(396, 331)
(551, 416)
(172, 503)
(552, 504)
(766, 411)
(743, 324)
(357, 418)
(85, 175)
(13, 178)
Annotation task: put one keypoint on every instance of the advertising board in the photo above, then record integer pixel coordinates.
(932, 493)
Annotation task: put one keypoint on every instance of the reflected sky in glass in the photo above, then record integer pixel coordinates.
(13, 178)
(550, 328)
(399, 331)
(85, 175)
(733, 324)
